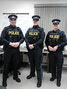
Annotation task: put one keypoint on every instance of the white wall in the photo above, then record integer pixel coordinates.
(15, 7)
(22, 6)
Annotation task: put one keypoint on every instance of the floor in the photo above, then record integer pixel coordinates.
(31, 84)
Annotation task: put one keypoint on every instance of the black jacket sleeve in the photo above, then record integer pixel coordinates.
(3, 36)
(47, 40)
(26, 36)
(1, 41)
(63, 43)
(40, 41)
(21, 36)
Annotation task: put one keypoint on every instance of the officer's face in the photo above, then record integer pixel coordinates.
(55, 26)
(35, 22)
(13, 22)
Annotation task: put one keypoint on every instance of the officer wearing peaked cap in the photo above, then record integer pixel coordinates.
(55, 42)
(34, 40)
(12, 37)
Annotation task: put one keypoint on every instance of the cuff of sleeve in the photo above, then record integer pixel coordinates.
(19, 42)
(34, 44)
(8, 42)
(59, 45)
(27, 44)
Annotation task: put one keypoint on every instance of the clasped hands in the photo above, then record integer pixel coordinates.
(53, 48)
(31, 46)
(14, 44)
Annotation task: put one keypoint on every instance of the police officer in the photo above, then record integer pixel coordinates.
(34, 40)
(55, 42)
(12, 37)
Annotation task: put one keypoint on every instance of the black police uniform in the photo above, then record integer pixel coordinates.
(11, 54)
(35, 36)
(56, 38)
(1, 41)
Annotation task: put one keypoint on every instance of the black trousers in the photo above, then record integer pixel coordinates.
(35, 58)
(56, 63)
(11, 58)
